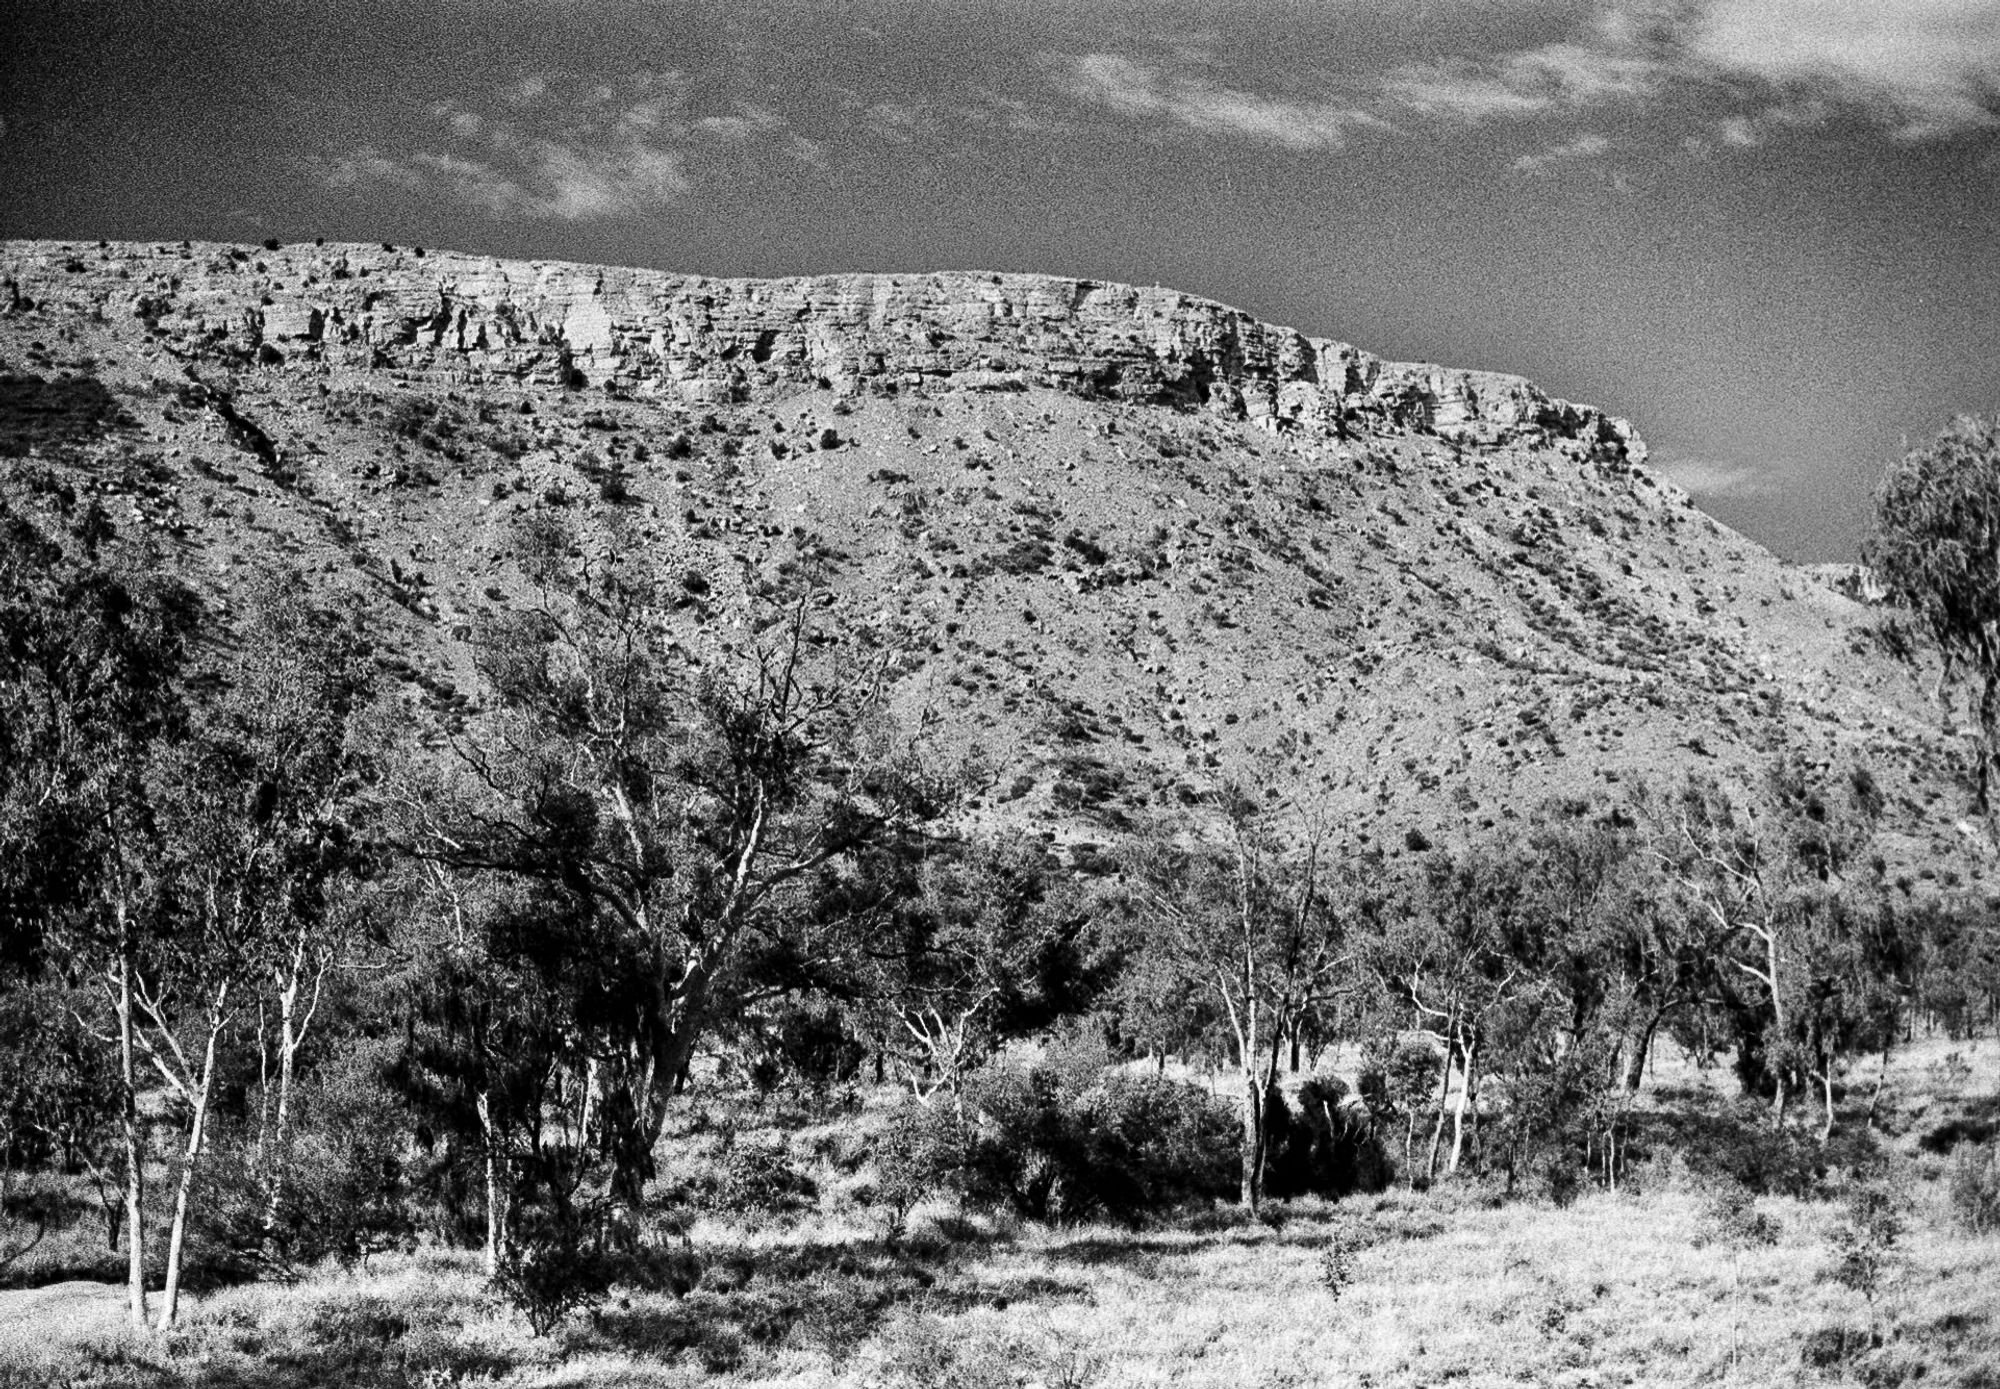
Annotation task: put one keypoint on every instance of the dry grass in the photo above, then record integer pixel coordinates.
(1452, 1286)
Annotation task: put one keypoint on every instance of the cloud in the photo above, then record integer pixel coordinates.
(898, 122)
(575, 152)
(1570, 151)
(1616, 60)
(1921, 68)
(1707, 477)
(1139, 90)
(1737, 73)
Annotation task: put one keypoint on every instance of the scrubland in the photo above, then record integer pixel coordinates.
(1655, 1283)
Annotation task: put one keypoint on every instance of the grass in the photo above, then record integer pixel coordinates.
(1450, 1286)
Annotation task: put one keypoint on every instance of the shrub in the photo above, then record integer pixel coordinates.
(1828, 1347)
(557, 1260)
(345, 1195)
(924, 1149)
(1552, 1114)
(1737, 1143)
(1975, 1186)
(1071, 1138)
(1336, 1266)
(1730, 1217)
(748, 1177)
(1326, 1148)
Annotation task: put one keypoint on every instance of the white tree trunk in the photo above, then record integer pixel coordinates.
(496, 1210)
(1458, 1112)
(135, 1157)
(288, 1049)
(184, 1191)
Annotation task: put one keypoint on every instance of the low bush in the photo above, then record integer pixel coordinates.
(1324, 1147)
(1072, 1138)
(1975, 1186)
(748, 1177)
(344, 1194)
(1737, 1142)
(923, 1149)
(556, 1261)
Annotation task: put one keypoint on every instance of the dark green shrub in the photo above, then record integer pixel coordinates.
(1866, 1243)
(557, 1261)
(923, 1150)
(1828, 1347)
(344, 1193)
(1730, 1217)
(1326, 1147)
(749, 1177)
(1737, 1142)
(1071, 1139)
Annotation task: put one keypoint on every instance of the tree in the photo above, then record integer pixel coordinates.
(1257, 923)
(1449, 962)
(982, 948)
(672, 808)
(1936, 550)
(255, 813)
(293, 714)
(1779, 896)
(94, 649)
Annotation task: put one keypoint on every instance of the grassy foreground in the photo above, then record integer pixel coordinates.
(1399, 1289)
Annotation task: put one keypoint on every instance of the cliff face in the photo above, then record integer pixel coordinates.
(720, 341)
(1128, 543)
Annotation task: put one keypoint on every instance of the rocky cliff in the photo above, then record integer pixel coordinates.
(710, 341)
(1128, 542)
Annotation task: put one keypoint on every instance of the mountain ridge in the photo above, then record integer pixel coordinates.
(1129, 541)
(709, 338)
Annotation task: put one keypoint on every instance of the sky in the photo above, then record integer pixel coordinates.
(1766, 231)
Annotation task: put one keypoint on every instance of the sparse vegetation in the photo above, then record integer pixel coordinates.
(1017, 888)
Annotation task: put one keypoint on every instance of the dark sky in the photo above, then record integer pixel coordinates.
(1768, 231)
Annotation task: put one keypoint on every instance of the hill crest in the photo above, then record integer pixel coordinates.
(1129, 541)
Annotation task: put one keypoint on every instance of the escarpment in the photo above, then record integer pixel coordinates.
(1127, 544)
(715, 340)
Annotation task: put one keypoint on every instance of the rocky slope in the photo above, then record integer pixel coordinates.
(1126, 540)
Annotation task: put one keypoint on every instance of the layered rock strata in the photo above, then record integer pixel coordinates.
(646, 332)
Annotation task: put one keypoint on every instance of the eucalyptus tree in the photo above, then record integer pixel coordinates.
(94, 651)
(984, 946)
(1936, 549)
(1255, 920)
(1782, 895)
(677, 799)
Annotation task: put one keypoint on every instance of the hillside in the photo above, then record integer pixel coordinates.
(1125, 540)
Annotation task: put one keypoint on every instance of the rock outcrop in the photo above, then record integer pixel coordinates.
(643, 332)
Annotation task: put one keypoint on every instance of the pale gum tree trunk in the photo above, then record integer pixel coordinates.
(1253, 1136)
(1437, 1128)
(496, 1208)
(1466, 1053)
(289, 1039)
(184, 1189)
(1777, 1017)
(135, 1158)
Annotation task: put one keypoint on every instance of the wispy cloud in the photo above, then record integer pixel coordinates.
(1920, 68)
(1185, 99)
(1755, 69)
(566, 152)
(1619, 57)
(1709, 477)
(1569, 152)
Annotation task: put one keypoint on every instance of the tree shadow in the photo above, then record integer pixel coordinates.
(41, 413)
(1977, 1121)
